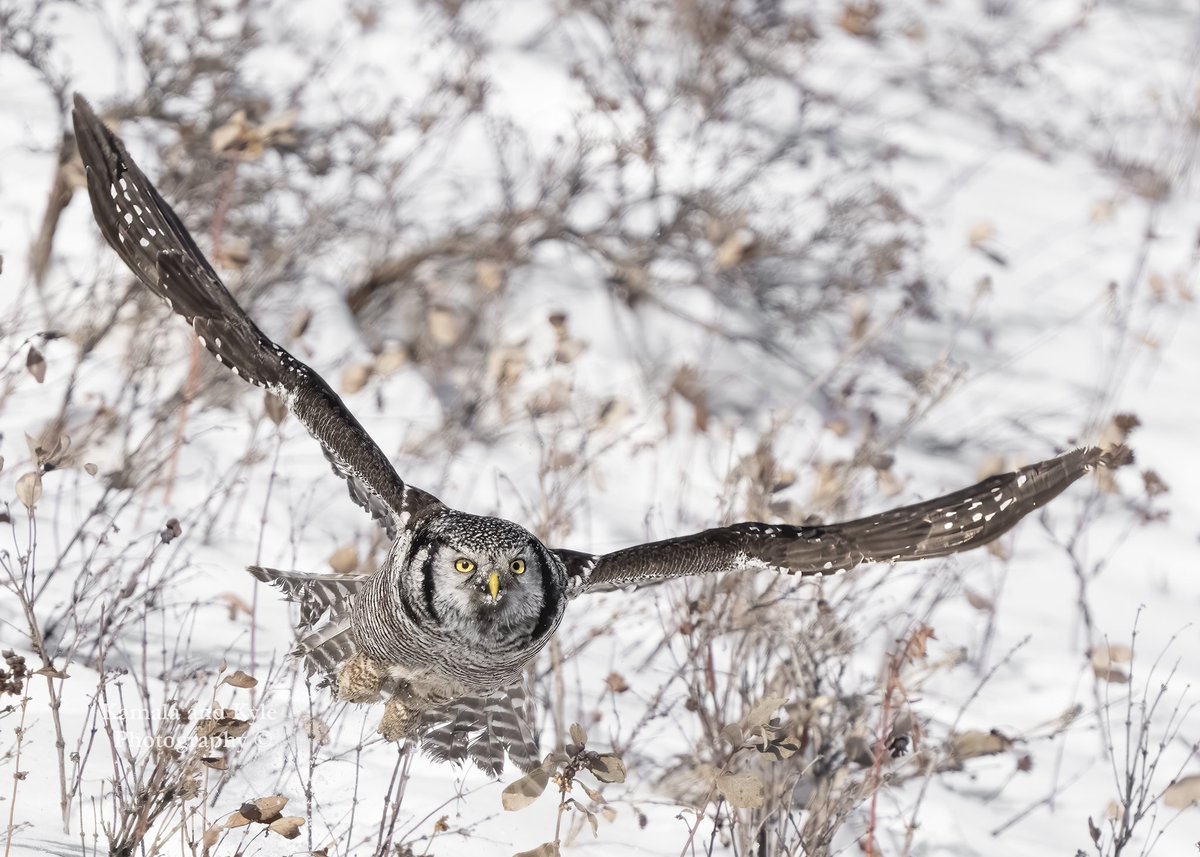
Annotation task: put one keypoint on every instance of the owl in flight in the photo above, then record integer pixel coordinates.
(445, 627)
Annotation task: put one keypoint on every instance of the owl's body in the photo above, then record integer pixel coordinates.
(425, 635)
(418, 609)
(445, 628)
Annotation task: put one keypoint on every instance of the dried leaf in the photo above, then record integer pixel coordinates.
(232, 254)
(1105, 659)
(51, 672)
(29, 489)
(612, 412)
(390, 360)
(237, 820)
(1117, 431)
(235, 137)
(90, 468)
(243, 140)
(860, 317)
(355, 377)
(446, 327)
(546, 849)
(1119, 653)
(550, 399)
(1154, 485)
(490, 275)
(217, 763)
(344, 560)
(211, 836)
(275, 409)
(576, 826)
(1093, 831)
(981, 233)
(578, 736)
(980, 602)
(269, 808)
(300, 322)
(235, 728)
(858, 19)
(226, 726)
(237, 605)
(1182, 793)
(505, 365)
(742, 791)
(521, 793)
(782, 746)
(917, 642)
(838, 427)
(569, 350)
(689, 387)
(316, 730)
(974, 743)
(607, 769)
(616, 683)
(288, 827)
(242, 680)
(760, 714)
(36, 364)
(735, 249)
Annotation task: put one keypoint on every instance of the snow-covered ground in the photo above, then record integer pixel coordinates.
(1004, 196)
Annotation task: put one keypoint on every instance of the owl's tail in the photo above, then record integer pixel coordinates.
(482, 729)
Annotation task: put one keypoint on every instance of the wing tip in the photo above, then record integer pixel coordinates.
(82, 105)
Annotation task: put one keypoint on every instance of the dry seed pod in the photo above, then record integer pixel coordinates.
(29, 489)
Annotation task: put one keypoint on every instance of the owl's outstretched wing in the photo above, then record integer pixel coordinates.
(956, 522)
(154, 243)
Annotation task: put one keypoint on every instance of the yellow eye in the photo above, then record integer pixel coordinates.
(517, 566)
(463, 565)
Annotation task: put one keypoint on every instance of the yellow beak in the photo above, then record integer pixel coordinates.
(494, 585)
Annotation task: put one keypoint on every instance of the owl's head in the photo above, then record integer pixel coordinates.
(484, 567)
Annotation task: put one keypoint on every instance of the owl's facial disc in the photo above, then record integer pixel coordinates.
(490, 576)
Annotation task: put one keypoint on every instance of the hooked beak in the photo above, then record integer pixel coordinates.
(494, 585)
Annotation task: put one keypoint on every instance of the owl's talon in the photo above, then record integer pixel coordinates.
(360, 680)
(399, 721)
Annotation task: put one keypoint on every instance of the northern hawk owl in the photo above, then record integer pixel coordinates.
(445, 627)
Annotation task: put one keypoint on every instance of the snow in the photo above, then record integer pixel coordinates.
(1067, 332)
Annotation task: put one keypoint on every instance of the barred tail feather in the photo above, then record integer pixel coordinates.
(508, 717)
(482, 729)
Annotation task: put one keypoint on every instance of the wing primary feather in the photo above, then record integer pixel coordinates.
(962, 520)
(153, 242)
